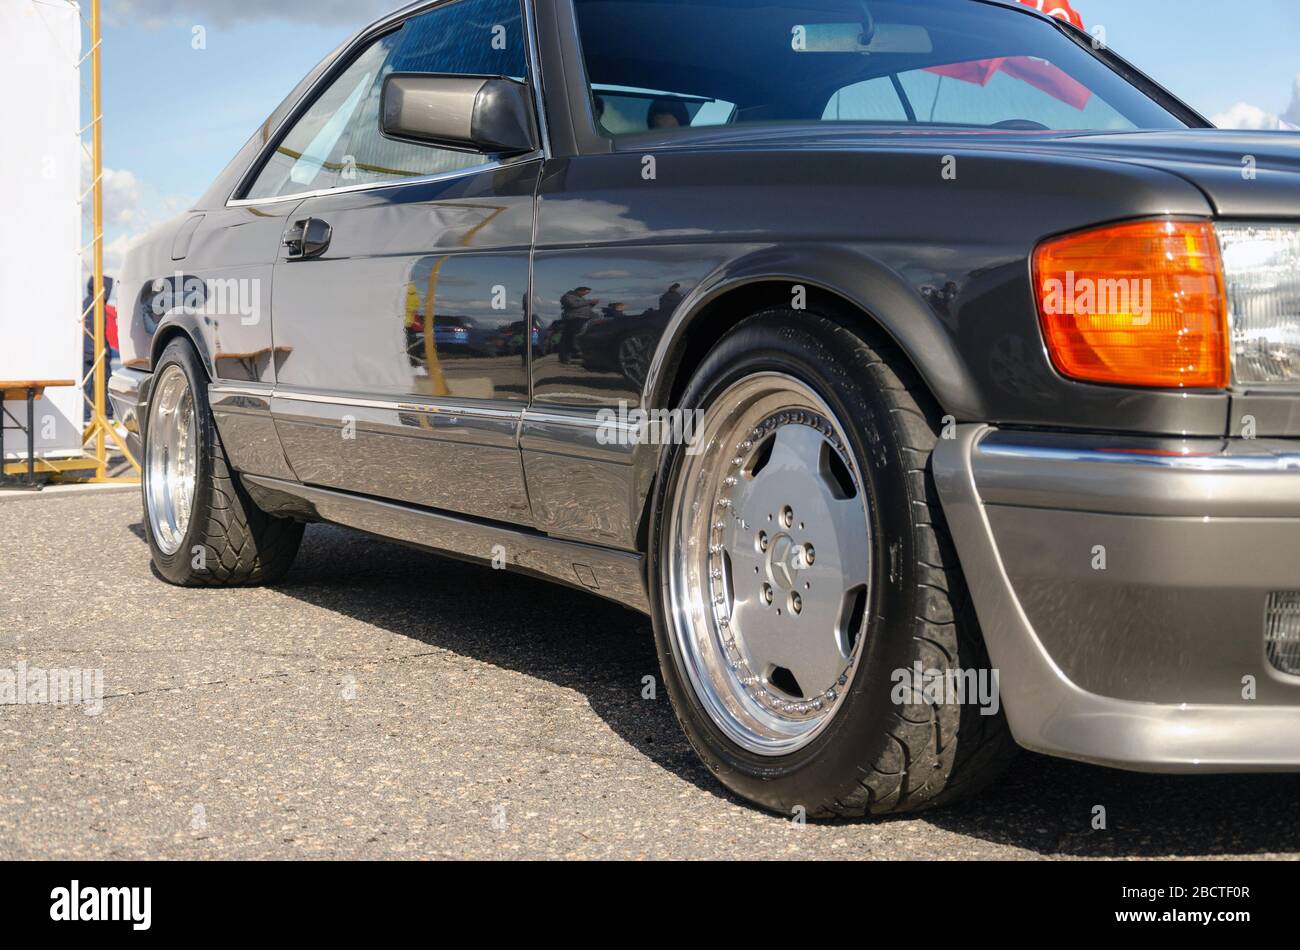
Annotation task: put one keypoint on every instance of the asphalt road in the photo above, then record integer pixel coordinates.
(384, 702)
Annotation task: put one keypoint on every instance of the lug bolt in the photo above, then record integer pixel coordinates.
(762, 541)
(787, 516)
(809, 555)
(767, 594)
(796, 603)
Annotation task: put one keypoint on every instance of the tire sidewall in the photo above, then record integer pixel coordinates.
(827, 768)
(178, 567)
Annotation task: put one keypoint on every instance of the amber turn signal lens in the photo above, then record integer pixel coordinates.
(1137, 304)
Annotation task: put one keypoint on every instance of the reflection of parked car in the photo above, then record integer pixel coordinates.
(461, 336)
(550, 341)
(509, 340)
(621, 344)
(452, 337)
(969, 313)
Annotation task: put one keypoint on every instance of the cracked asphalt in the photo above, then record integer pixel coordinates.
(388, 703)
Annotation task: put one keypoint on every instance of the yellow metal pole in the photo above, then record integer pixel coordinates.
(99, 429)
(437, 380)
(97, 161)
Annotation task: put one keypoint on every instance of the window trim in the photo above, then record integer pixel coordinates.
(375, 186)
(376, 31)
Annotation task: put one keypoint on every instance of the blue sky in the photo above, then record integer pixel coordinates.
(175, 115)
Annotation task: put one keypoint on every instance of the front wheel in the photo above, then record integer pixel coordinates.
(201, 525)
(802, 575)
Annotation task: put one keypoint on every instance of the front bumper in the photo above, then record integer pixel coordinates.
(1122, 586)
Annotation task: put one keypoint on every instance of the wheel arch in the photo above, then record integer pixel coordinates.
(850, 288)
(856, 288)
(180, 325)
(167, 331)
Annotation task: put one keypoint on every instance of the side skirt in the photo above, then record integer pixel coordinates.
(614, 575)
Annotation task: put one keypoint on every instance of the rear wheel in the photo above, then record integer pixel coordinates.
(801, 571)
(201, 525)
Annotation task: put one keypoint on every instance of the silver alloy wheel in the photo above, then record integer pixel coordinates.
(769, 553)
(171, 460)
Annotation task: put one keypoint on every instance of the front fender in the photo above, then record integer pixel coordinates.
(847, 273)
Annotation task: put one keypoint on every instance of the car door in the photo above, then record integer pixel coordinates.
(401, 356)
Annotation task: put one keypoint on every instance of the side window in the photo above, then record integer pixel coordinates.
(311, 156)
(468, 37)
(337, 142)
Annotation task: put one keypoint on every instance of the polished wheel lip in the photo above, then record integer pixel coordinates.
(708, 504)
(171, 459)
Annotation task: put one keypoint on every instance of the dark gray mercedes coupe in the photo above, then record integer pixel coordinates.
(927, 373)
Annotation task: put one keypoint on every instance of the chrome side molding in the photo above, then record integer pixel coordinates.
(614, 575)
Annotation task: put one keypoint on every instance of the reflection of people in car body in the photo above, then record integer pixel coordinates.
(575, 310)
(670, 299)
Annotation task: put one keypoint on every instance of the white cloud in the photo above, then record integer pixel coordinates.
(115, 254)
(1292, 113)
(226, 12)
(121, 195)
(131, 210)
(1246, 116)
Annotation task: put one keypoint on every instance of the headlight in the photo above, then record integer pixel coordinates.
(1261, 265)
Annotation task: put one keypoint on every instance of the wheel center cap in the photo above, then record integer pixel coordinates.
(782, 566)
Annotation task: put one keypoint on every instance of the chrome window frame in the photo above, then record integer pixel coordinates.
(370, 34)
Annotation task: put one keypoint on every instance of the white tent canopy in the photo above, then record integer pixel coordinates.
(40, 227)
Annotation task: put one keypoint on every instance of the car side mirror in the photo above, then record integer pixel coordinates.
(480, 113)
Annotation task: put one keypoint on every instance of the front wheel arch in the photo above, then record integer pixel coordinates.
(856, 287)
(680, 354)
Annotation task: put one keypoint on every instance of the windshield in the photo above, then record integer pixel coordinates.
(667, 64)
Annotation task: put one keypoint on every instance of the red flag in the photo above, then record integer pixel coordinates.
(979, 72)
(1060, 9)
(1040, 75)
(1052, 80)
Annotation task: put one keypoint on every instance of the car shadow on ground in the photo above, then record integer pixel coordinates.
(603, 651)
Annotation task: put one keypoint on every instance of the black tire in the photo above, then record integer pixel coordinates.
(875, 756)
(229, 540)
